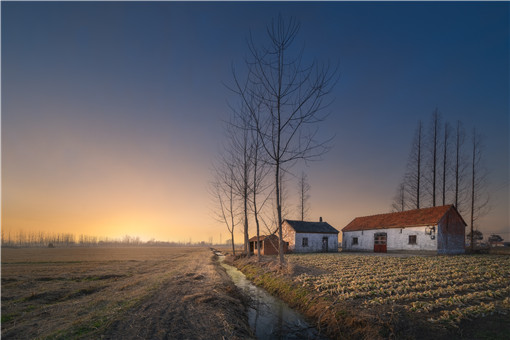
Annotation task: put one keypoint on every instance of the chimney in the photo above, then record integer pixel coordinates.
(320, 219)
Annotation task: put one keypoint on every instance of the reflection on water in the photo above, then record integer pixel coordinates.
(270, 317)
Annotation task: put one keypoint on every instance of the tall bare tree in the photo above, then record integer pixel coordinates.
(260, 171)
(479, 194)
(304, 196)
(223, 194)
(292, 101)
(399, 203)
(434, 145)
(445, 164)
(241, 149)
(413, 177)
(460, 168)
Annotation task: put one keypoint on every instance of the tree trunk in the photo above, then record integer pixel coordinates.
(473, 190)
(434, 160)
(255, 212)
(419, 168)
(457, 154)
(279, 212)
(444, 161)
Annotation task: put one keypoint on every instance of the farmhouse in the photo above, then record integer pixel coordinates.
(268, 245)
(439, 229)
(308, 237)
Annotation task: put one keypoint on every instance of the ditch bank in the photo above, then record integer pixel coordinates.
(268, 316)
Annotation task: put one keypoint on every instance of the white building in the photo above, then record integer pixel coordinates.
(439, 229)
(310, 237)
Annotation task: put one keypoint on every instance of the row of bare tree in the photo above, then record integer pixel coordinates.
(445, 166)
(273, 125)
(20, 238)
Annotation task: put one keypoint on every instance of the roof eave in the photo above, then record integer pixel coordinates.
(393, 227)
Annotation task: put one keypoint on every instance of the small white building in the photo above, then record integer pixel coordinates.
(310, 237)
(439, 229)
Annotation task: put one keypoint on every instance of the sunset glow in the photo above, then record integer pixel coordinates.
(112, 111)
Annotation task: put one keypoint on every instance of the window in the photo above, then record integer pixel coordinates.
(354, 240)
(305, 242)
(412, 239)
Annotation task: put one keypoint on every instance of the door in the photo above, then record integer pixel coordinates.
(380, 243)
(325, 244)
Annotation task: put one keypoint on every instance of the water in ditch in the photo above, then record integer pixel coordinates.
(268, 316)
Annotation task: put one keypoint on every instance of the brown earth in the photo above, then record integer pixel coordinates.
(119, 293)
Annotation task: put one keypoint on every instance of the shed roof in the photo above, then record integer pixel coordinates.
(311, 227)
(261, 238)
(410, 218)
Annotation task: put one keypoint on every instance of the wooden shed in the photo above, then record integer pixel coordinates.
(268, 245)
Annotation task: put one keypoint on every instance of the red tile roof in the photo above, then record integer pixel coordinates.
(417, 217)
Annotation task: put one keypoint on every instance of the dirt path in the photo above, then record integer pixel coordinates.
(200, 302)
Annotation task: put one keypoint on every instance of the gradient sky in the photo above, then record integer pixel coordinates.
(111, 112)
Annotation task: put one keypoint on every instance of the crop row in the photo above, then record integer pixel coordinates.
(448, 288)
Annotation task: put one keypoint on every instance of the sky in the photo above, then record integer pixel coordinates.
(112, 112)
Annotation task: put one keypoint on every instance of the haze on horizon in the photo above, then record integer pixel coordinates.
(112, 111)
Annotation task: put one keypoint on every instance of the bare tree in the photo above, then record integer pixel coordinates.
(292, 101)
(445, 162)
(223, 193)
(479, 195)
(434, 145)
(399, 203)
(413, 177)
(240, 148)
(460, 169)
(304, 196)
(260, 171)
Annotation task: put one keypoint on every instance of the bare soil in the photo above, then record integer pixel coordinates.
(119, 293)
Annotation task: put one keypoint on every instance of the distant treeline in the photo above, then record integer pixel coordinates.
(20, 238)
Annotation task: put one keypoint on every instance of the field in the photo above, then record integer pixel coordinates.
(182, 293)
(445, 289)
(370, 296)
(177, 293)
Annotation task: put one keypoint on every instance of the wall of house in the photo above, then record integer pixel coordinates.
(289, 235)
(451, 234)
(315, 242)
(397, 239)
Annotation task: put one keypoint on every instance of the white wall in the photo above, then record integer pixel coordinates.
(289, 235)
(315, 242)
(397, 239)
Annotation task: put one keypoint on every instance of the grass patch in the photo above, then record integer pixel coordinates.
(8, 317)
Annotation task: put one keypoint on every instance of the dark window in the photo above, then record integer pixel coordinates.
(412, 239)
(354, 240)
(305, 241)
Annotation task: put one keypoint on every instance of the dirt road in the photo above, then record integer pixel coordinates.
(198, 303)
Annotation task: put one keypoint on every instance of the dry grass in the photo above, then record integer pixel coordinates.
(500, 250)
(117, 293)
